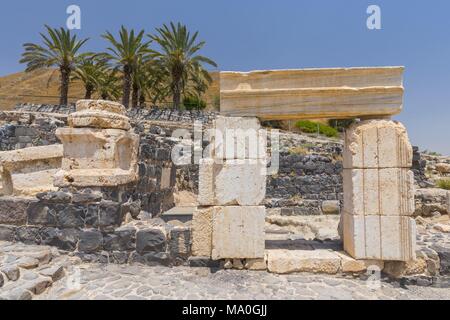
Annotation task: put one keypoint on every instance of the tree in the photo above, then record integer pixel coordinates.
(140, 80)
(178, 55)
(199, 82)
(89, 71)
(60, 50)
(107, 85)
(124, 53)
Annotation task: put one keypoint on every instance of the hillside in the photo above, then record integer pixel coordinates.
(42, 87)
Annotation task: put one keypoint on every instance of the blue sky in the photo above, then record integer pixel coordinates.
(262, 34)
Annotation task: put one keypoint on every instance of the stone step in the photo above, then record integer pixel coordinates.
(182, 214)
(319, 261)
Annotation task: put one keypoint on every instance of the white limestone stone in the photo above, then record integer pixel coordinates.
(202, 229)
(238, 232)
(386, 192)
(29, 171)
(314, 261)
(388, 238)
(256, 264)
(96, 119)
(312, 93)
(377, 144)
(235, 182)
(166, 177)
(30, 184)
(94, 177)
(99, 114)
(99, 149)
(206, 193)
(239, 138)
(88, 148)
(241, 182)
(100, 105)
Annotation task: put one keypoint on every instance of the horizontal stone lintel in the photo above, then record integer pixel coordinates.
(313, 93)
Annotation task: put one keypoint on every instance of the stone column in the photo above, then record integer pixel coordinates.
(378, 192)
(232, 185)
(99, 148)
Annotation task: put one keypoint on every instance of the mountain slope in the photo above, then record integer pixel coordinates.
(42, 87)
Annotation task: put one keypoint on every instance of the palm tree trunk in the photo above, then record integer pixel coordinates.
(64, 89)
(89, 90)
(176, 95)
(135, 96)
(126, 85)
(141, 99)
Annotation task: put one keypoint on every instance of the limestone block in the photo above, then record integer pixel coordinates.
(167, 177)
(351, 265)
(241, 182)
(448, 202)
(312, 78)
(386, 192)
(398, 269)
(30, 184)
(29, 171)
(312, 93)
(239, 138)
(100, 105)
(94, 177)
(99, 114)
(377, 144)
(256, 264)
(97, 157)
(238, 233)
(388, 238)
(202, 228)
(206, 182)
(95, 119)
(443, 168)
(331, 207)
(235, 182)
(17, 160)
(313, 261)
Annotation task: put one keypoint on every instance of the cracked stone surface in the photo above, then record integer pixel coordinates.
(102, 282)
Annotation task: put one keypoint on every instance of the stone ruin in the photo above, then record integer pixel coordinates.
(109, 183)
(99, 148)
(376, 223)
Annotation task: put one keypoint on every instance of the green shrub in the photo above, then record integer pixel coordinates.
(314, 127)
(444, 184)
(340, 124)
(194, 103)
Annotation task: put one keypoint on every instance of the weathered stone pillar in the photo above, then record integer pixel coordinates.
(378, 192)
(99, 148)
(232, 185)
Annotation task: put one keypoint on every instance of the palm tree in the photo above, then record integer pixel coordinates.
(140, 80)
(157, 88)
(89, 71)
(199, 82)
(107, 85)
(179, 57)
(60, 50)
(124, 53)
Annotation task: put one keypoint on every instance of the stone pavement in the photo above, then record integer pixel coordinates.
(146, 283)
(28, 270)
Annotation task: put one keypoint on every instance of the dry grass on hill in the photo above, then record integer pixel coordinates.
(42, 87)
